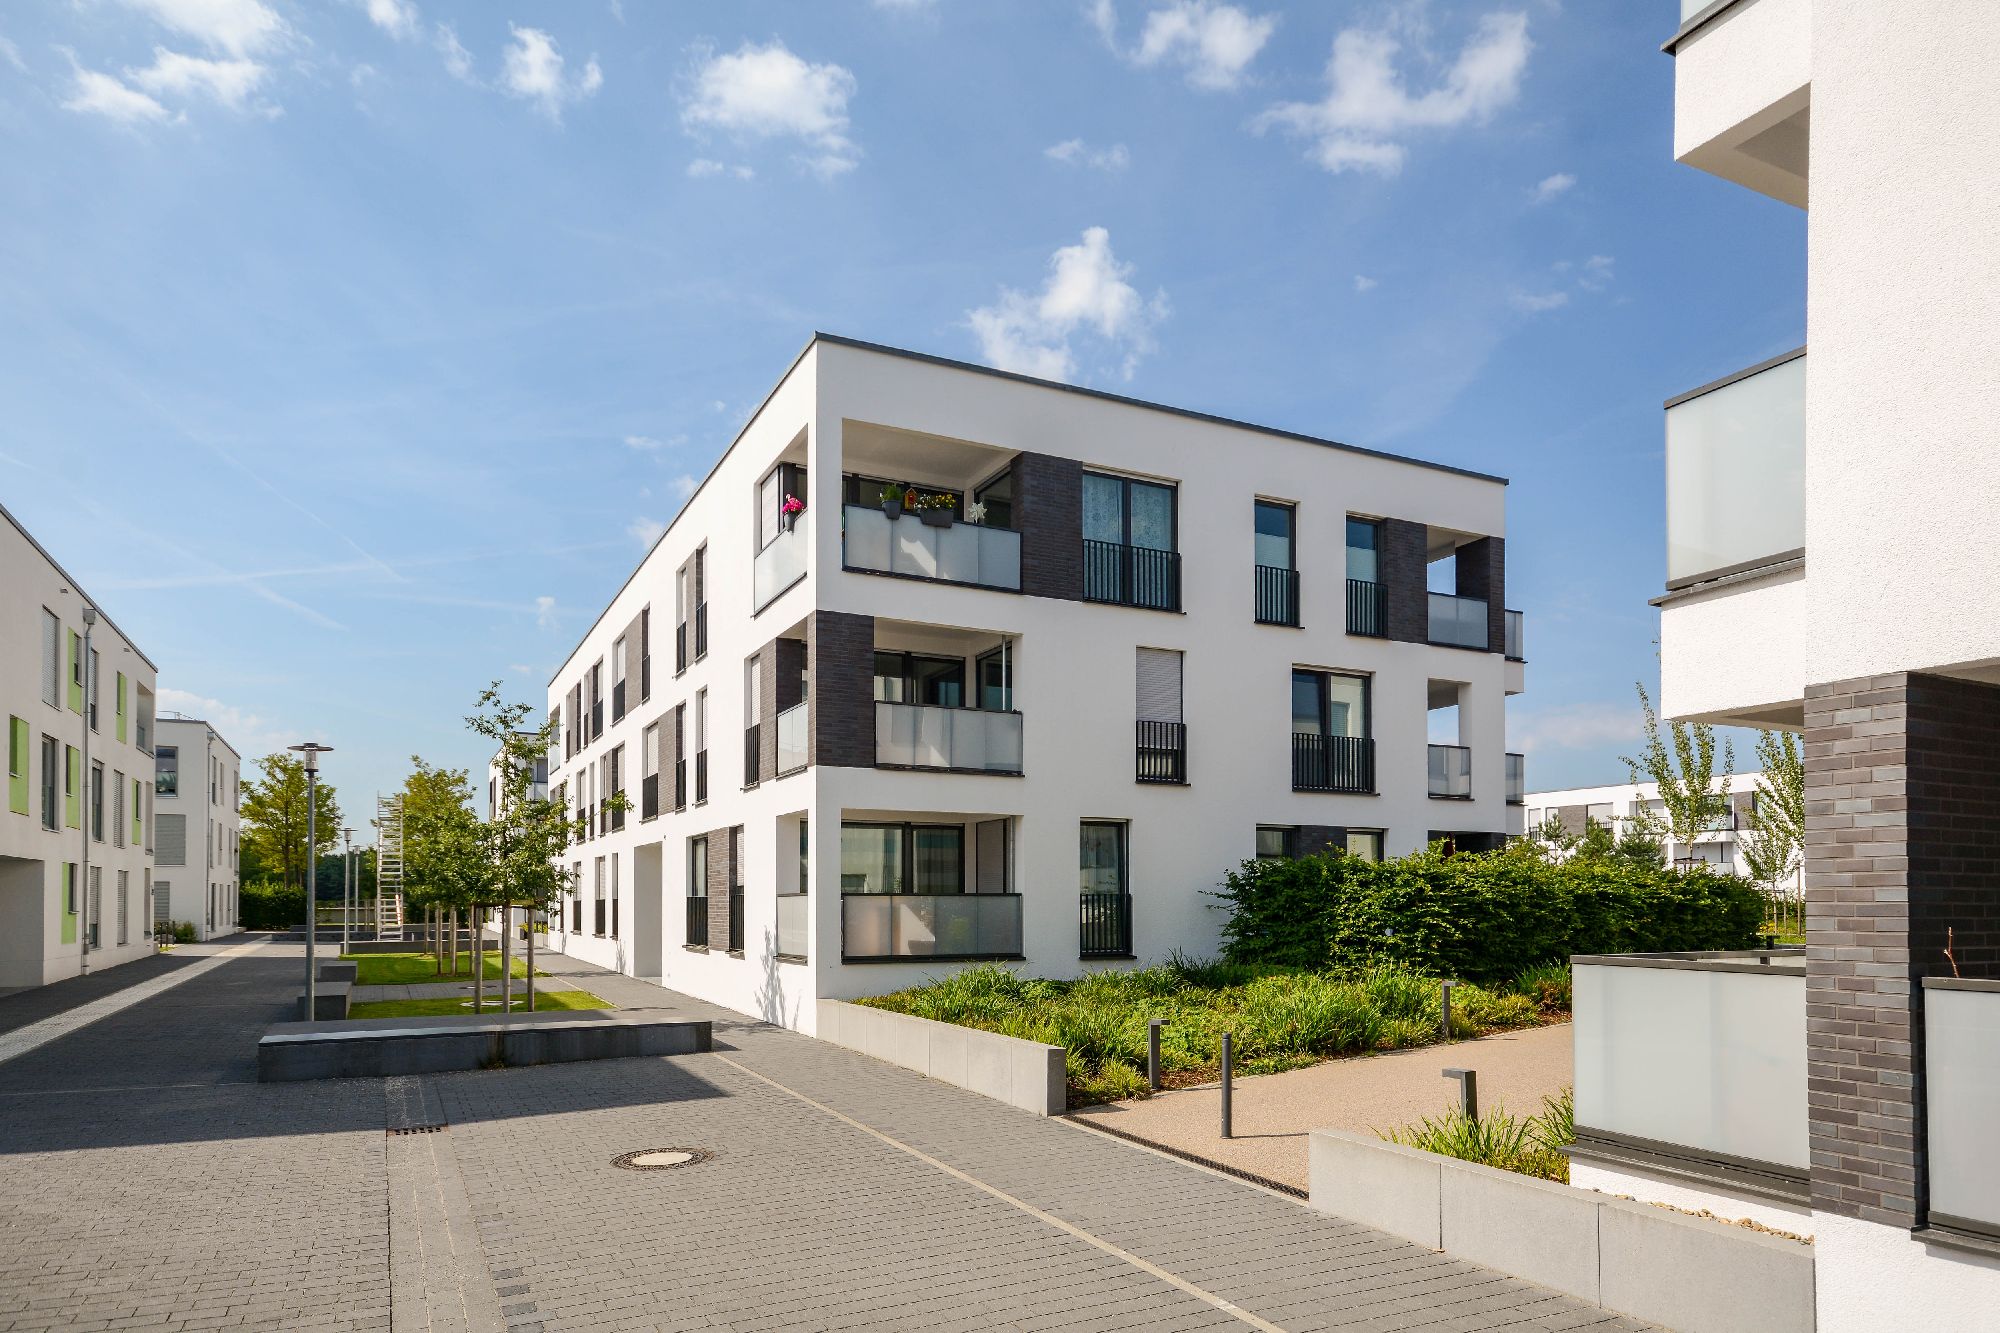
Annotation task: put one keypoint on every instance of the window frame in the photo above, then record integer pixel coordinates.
(1321, 677)
(1124, 866)
(1291, 513)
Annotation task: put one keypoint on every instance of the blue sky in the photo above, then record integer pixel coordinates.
(352, 352)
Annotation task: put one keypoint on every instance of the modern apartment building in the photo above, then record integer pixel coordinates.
(538, 788)
(1827, 519)
(76, 835)
(198, 834)
(1619, 805)
(1101, 652)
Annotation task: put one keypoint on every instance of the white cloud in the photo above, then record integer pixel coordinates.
(545, 612)
(1368, 111)
(1597, 273)
(905, 6)
(457, 60)
(532, 69)
(685, 486)
(645, 531)
(707, 166)
(766, 92)
(239, 27)
(1077, 153)
(398, 18)
(230, 82)
(1536, 302)
(520, 669)
(1214, 42)
(1087, 292)
(1578, 726)
(1363, 283)
(644, 443)
(12, 55)
(101, 95)
(1551, 186)
(250, 734)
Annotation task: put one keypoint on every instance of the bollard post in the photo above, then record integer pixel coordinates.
(1153, 1053)
(1225, 1087)
(1468, 1091)
(1444, 1018)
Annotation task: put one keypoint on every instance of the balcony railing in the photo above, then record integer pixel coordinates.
(1162, 751)
(736, 920)
(701, 631)
(617, 700)
(646, 676)
(1104, 925)
(700, 776)
(1962, 1074)
(1516, 637)
(969, 553)
(680, 647)
(1277, 595)
(1736, 472)
(1332, 763)
(753, 754)
(614, 817)
(1367, 609)
(1697, 1055)
(1517, 779)
(649, 796)
(878, 926)
(781, 564)
(969, 740)
(697, 922)
(597, 917)
(1131, 575)
(794, 733)
(1451, 772)
(680, 784)
(1459, 622)
(794, 925)
(597, 719)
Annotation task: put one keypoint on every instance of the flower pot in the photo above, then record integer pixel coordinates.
(935, 518)
(892, 508)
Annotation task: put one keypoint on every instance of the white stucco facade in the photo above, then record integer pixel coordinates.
(1619, 803)
(198, 832)
(76, 828)
(1055, 744)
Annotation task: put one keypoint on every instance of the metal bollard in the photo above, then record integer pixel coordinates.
(1225, 1087)
(1444, 1019)
(1468, 1091)
(1153, 1053)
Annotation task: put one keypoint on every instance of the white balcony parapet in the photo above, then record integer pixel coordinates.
(962, 553)
(794, 924)
(1736, 473)
(782, 563)
(1962, 1076)
(792, 734)
(970, 740)
(920, 925)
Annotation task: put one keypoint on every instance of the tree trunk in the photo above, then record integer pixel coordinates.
(478, 969)
(506, 957)
(450, 946)
(530, 915)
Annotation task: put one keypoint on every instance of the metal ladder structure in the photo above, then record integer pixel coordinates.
(388, 867)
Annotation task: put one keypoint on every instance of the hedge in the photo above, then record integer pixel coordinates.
(270, 906)
(1483, 917)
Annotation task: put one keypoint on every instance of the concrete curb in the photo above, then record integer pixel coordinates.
(1023, 1074)
(378, 1048)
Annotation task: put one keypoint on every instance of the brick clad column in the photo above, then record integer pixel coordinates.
(1482, 572)
(1048, 504)
(840, 655)
(723, 848)
(1403, 565)
(767, 713)
(1902, 840)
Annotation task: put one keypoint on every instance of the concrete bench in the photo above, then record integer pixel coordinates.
(339, 970)
(331, 999)
(378, 1047)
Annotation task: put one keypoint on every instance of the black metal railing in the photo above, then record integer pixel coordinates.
(700, 776)
(1367, 612)
(1277, 595)
(697, 921)
(617, 700)
(736, 920)
(1104, 925)
(1332, 763)
(701, 631)
(1131, 575)
(649, 797)
(597, 719)
(1162, 751)
(680, 784)
(614, 816)
(576, 916)
(597, 917)
(753, 767)
(646, 676)
(680, 647)
(614, 918)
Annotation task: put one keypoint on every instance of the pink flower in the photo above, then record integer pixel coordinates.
(794, 505)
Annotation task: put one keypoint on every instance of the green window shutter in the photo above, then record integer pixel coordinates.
(121, 708)
(138, 827)
(68, 904)
(73, 794)
(75, 674)
(17, 765)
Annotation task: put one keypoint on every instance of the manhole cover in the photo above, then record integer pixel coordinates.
(661, 1159)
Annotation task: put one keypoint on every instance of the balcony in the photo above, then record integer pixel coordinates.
(781, 564)
(959, 740)
(1131, 575)
(1104, 925)
(1696, 1062)
(1516, 637)
(753, 742)
(1277, 595)
(1736, 473)
(1459, 622)
(1162, 752)
(886, 927)
(1517, 779)
(793, 736)
(968, 553)
(697, 922)
(1962, 1074)
(1451, 773)
(794, 925)
(1332, 763)
(1367, 609)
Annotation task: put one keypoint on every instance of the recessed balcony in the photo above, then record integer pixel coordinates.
(958, 740)
(907, 545)
(927, 507)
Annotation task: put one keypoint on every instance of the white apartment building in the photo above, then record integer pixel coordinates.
(1829, 520)
(538, 789)
(197, 831)
(1618, 805)
(76, 848)
(1117, 649)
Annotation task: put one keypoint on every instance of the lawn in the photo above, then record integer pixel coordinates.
(1280, 1018)
(544, 1001)
(418, 969)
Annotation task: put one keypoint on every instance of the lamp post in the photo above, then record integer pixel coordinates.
(346, 886)
(312, 750)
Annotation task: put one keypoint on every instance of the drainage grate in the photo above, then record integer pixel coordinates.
(415, 1129)
(661, 1159)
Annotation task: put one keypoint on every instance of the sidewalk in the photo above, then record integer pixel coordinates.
(1273, 1113)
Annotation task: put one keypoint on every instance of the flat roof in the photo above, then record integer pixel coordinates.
(78, 586)
(169, 719)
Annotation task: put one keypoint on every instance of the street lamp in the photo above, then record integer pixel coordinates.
(346, 885)
(312, 750)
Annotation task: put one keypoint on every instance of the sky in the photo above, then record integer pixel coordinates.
(352, 353)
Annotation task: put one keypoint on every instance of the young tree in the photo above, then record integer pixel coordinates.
(1774, 846)
(1692, 793)
(274, 819)
(444, 864)
(1557, 842)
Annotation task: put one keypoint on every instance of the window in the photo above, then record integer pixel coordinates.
(700, 602)
(998, 497)
(72, 787)
(1275, 580)
(1274, 523)
(167, 770)
(649, 773)
(118, 705)
(1104, 915)
(995, 674)
(51, 761)
(51, 659)
(1129, 542)
(1365, 843)
(902, 858)
(618, 678)
(1101, 857)
(597, 698)
(683, 608)
(700, 746)
(914, 678)
(17, 765)
(1325, 703)
(90, 689)
(1162, 737)
(786, 481)
(645, 654)
(614, 896)
(1277, 842)
(172, 831)
(76, 673)
(1364, 542)
(597, 897)
(124, 906)
(697, 893)
(97, 802)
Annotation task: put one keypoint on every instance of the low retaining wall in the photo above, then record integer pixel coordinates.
(1687, 1273)
(1026, 1074)
(374, 1048)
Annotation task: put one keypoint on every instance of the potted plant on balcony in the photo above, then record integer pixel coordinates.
(940, 508)
(975, 513)
(892, 500)
(788, 513)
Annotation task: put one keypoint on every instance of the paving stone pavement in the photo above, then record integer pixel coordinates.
(144, 1182)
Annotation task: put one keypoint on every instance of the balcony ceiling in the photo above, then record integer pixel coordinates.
(908, 455)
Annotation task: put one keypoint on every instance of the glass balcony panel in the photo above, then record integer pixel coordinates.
(908, 925)
(1458, 621)
(962, 553)
(1736, 474)
(1962, 1063)
(1451, 771)
(792, 734)
(794, 924)
(924, 736)
(1517, 779)
(1516, 636)
(782, 563)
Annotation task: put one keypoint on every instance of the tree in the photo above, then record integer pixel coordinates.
(1774, 846)
(1689, 791)
(444, 863)
(274, 819)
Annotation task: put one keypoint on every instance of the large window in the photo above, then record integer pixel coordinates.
(167, 770)
(914, 678)
(998, 497)
(902, 858)
(1277, 842)
(996, 680)
(1364, 542)
(51, 659)
(51, 765)
(1130, 542)
(1101, 857)
(1325, 703)
(17, 765)
(1274, 534)
(786, 481)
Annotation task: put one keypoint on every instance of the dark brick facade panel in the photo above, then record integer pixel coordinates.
(632, 657)
(1481, 571)
(1319, 838)
(1048, 509)
(670, 740)
(725, 845)
(840, 655)
(1402, 570)
(1574, 819)
(766, 685)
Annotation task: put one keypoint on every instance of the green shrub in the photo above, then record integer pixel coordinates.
(1547, 985)
(268, 906)
(1487, 917)
(1529, 1146)
(183, 932)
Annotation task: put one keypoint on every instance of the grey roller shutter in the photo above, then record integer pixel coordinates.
(1159, 685)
